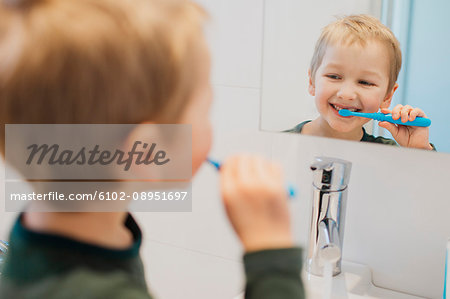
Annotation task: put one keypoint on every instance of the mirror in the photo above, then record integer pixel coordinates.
(292, 27)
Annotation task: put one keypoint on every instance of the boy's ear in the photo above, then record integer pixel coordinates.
(388, 99)
(311, 87)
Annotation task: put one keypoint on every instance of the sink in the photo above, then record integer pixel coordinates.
(355, 281)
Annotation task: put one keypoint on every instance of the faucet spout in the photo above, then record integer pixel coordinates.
(330, 182)
(329, 245)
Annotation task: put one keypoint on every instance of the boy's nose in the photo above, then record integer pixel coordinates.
(346, 92)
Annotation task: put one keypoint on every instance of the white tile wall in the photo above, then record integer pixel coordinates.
(174, 272)
(235, 36)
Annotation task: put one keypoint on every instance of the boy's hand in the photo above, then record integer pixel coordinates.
(256, 202)
(408, 136)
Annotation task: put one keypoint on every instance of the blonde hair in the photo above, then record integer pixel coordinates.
(97, 61)
(358, 29)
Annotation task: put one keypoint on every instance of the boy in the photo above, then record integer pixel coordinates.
(355, 66)
(125, 62)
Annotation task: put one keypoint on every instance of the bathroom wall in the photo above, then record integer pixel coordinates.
(429, 23)
(397, 203)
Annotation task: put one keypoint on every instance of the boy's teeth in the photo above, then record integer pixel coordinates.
(349, 109)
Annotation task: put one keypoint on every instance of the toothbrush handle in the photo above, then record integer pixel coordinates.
(418, 122)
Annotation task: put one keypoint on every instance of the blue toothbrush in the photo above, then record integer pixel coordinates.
(290, 189)
(418, 122)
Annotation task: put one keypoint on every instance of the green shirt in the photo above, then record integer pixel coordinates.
(365, 138)
(274, 274)
(40, 265)
(48, 266)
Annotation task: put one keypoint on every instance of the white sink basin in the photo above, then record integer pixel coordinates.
(355, 281)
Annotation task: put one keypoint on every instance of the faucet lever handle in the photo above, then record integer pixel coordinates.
(331, 173)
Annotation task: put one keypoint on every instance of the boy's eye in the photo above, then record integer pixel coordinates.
(335, 77)
(365, 83)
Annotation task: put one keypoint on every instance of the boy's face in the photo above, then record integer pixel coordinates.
(351, 77)
(197, 114)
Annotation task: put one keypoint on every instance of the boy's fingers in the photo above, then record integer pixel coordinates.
(275, 180)
(393, 129)
(276, 171)
(226, 178)
(417, 112)
(228, 167)
(268, 178)
(396, 111)
(262, 170)
(405, 113)
(385, 111)
(245, 169)
(229, 173)
(414, 113)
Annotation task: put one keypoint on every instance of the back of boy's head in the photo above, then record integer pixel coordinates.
(358, 29)
(97, 61)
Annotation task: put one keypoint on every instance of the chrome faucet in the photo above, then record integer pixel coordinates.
(331, 177)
